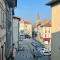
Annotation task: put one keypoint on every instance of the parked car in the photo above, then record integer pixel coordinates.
(21, 48)
(36, 54)
(27, 36)
(44, 51)
(33, 44)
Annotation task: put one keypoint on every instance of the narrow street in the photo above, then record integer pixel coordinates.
(27, 54)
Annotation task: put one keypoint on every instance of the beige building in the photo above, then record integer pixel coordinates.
(46, 34)
(26, 27)
(43, 30)
(55, 5)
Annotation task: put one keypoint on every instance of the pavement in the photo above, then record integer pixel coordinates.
(27, 54)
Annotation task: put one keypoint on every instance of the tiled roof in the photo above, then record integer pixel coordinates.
(27, 22)
(46, 24)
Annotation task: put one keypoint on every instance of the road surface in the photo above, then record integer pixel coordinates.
(27, 54)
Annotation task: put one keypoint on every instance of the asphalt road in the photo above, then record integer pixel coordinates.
(27, 54)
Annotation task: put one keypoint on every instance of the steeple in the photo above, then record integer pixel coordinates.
(37, 18)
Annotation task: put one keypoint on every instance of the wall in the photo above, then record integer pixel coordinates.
(27, 28)
(56, 18)
(15, 32)
(2, 28)
(56, 32)
(21, 24)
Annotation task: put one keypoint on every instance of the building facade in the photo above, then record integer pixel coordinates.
(16, 31)
(2, 29)
(46, 34)
(26, 27)
(6, 12)
(55, 5)
(43, 30)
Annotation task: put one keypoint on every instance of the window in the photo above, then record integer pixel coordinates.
(45, 31)
(49, 31)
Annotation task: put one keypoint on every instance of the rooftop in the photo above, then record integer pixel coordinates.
(25, 21)
(53, 2)
(15, 17)
(46, 24)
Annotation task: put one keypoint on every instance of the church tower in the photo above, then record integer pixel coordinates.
(37, 18)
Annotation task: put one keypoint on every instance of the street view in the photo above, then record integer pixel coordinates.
(29, 29)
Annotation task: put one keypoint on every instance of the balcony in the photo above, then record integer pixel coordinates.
(12, 3)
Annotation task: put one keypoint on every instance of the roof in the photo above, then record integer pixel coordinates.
(53, 2)
(39, 24)
(26, 22)
(15, 17)
(46, 24)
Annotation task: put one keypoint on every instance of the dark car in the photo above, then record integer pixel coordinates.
(36, 54)
(21, 48)
(27, 36)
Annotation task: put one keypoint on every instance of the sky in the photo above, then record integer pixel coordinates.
(29, 9)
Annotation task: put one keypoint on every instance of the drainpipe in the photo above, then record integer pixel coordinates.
(18, 34)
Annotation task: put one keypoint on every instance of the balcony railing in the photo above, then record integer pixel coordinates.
(12, 3)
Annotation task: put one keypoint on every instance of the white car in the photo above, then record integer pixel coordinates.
(44, 51)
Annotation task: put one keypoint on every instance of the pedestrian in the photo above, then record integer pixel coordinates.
(14, 53)
(10, 57)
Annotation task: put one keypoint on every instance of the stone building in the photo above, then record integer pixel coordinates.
(6, 13)
(2, 29)
(16, 31)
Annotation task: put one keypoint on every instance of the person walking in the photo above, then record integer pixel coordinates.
(14, 53)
